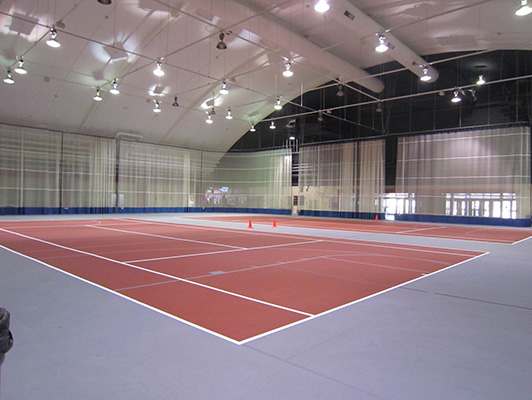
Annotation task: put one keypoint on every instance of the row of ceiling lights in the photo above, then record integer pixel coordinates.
(19, 69)
(320, 6)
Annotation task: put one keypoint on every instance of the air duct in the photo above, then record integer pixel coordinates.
(344, 12)
(265, 27)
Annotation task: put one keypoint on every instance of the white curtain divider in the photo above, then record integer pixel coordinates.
(88, 172)
(29, 167)
(345, 177)
(152, 176)
(251, 180)
(482, 173)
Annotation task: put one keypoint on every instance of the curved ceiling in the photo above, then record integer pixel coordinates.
(124, 40)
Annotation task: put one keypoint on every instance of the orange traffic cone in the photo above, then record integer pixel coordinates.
(274, 223)
(250, 225)
(376, 217)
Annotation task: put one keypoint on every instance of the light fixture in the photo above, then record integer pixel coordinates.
(223, 89)
(321, 6)
(114, 89)
(426, 76)
(480, 80)
(98, 96)
(229, 114)
(9, 78)
(209, 119)
(292, 137)
(379, 107)
(320, 116)
(157, 106)
(382, 46)
(175, 103)
(278, 105)
(524, 9)
(456, 97)
(340, 92)
(221, 44)
(104, 2)
(19, 69)
(287, 72)
(52, 41)
(158, 71)
(253, 128)
(272, 126)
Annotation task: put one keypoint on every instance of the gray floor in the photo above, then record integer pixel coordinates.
(464, 333)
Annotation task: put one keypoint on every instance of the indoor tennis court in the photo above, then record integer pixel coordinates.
(259, 294)
(237, 284)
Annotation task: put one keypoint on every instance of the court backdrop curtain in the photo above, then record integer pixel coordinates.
(251, 180)
(155, 176)
(88, 173)
(344, 177)
(481, 173)
(29, 168)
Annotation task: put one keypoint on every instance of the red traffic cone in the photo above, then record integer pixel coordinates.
(274, 223)
(376, 217)
(250, 226)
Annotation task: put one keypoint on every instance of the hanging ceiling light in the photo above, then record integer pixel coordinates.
(382, 46)
(157, 106)
(209, 118)
(524, 9)
(340, 92)
(426, 76)
(278, 105)
(456, 97)
(480, 80)
(104, 2)
(272, 126)
(322, 6)
(320, 116)
(175, 103)
(287, 72)
(223, 89)
(221, 44)
(97, 96)
(253, 128)
(114, 89)
(9, 78)
(52, 40)
(229, 114)
(19, 69)
(158, 71)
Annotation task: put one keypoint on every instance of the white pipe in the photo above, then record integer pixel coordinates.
(233, 11)
(364, 26)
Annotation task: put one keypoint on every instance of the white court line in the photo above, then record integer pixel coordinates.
(124, 297)
(419, 229)
(161, 274)
(165, 237)
(358, 242)
(522, 240)
(225, 251)
(353, 302)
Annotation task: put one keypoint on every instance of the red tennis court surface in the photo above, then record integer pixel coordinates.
(460, 232)
(236, 284)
